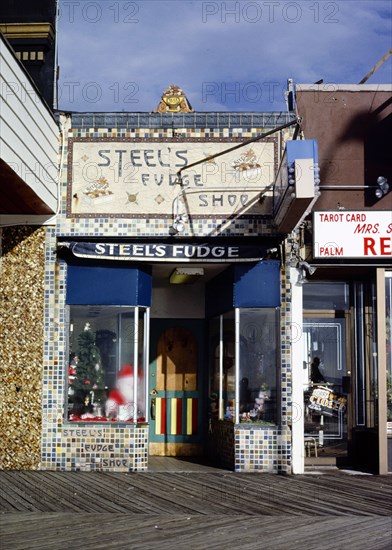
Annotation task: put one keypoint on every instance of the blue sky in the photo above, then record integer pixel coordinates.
(116, 55)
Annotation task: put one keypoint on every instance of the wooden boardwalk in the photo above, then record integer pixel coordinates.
(200, 509)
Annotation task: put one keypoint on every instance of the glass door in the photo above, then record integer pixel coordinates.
(325, 384)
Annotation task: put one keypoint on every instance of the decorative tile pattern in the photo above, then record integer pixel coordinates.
(261, 449)
(119, 448)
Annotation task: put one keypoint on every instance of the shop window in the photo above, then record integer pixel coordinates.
(106, 370)
(333, 296)
(244, 352)
(258, 361)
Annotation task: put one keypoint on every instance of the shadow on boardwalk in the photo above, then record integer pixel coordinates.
(210, 509)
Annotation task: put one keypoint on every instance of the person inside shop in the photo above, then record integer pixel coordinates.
(315, 374)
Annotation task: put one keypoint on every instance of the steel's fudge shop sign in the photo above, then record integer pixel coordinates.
(165, 252)
(138, 179)
(104, 455)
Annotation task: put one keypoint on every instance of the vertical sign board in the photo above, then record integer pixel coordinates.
(296, 184)
(352, 234)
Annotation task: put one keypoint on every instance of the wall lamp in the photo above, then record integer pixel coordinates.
(307, 267)
(301, 277)
(303, 268)
(178, 225)
(383, 187)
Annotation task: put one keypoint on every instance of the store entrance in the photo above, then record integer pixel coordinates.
(178, 379)
(326, 387)
(176, 396)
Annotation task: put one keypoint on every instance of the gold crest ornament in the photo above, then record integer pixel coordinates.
(174, 101)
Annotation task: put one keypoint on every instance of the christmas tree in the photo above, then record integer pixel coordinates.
(89, 382)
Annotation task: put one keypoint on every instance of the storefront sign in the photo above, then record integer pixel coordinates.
(138, 179)
(324, 401)
(166, 252)
(83, 432)
(346, 234)
(104, 455)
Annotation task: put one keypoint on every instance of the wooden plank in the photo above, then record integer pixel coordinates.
(149, 531)
(176, 360)
(200, 493)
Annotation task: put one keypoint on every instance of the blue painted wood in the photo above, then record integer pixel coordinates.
(257, 285)
(95, 285)
(244, 285)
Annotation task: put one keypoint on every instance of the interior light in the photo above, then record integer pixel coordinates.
(186, 275)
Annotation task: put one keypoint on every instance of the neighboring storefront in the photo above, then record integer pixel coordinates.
(346, 278)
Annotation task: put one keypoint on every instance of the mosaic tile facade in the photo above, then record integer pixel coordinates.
(260, 449)
(103, 446)
(119, 448)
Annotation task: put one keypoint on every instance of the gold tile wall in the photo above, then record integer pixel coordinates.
(21, 345)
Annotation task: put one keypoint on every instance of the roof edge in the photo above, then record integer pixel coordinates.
(333, 87)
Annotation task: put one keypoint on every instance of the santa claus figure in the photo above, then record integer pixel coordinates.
(120, 404)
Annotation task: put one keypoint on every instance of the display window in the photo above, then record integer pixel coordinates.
(258, 365)
(243, 376)
(106, 369)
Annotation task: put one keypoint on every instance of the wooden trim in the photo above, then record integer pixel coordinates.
(382, 374)
(350, 371)
(370, 385)
(320, 313)
(175, 449)
(27, 30)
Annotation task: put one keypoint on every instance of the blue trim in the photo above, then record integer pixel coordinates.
(115, 285)
(244, 285)
(301, 149)
(257, 285)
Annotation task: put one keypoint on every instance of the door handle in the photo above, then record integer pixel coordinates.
(152, 409)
